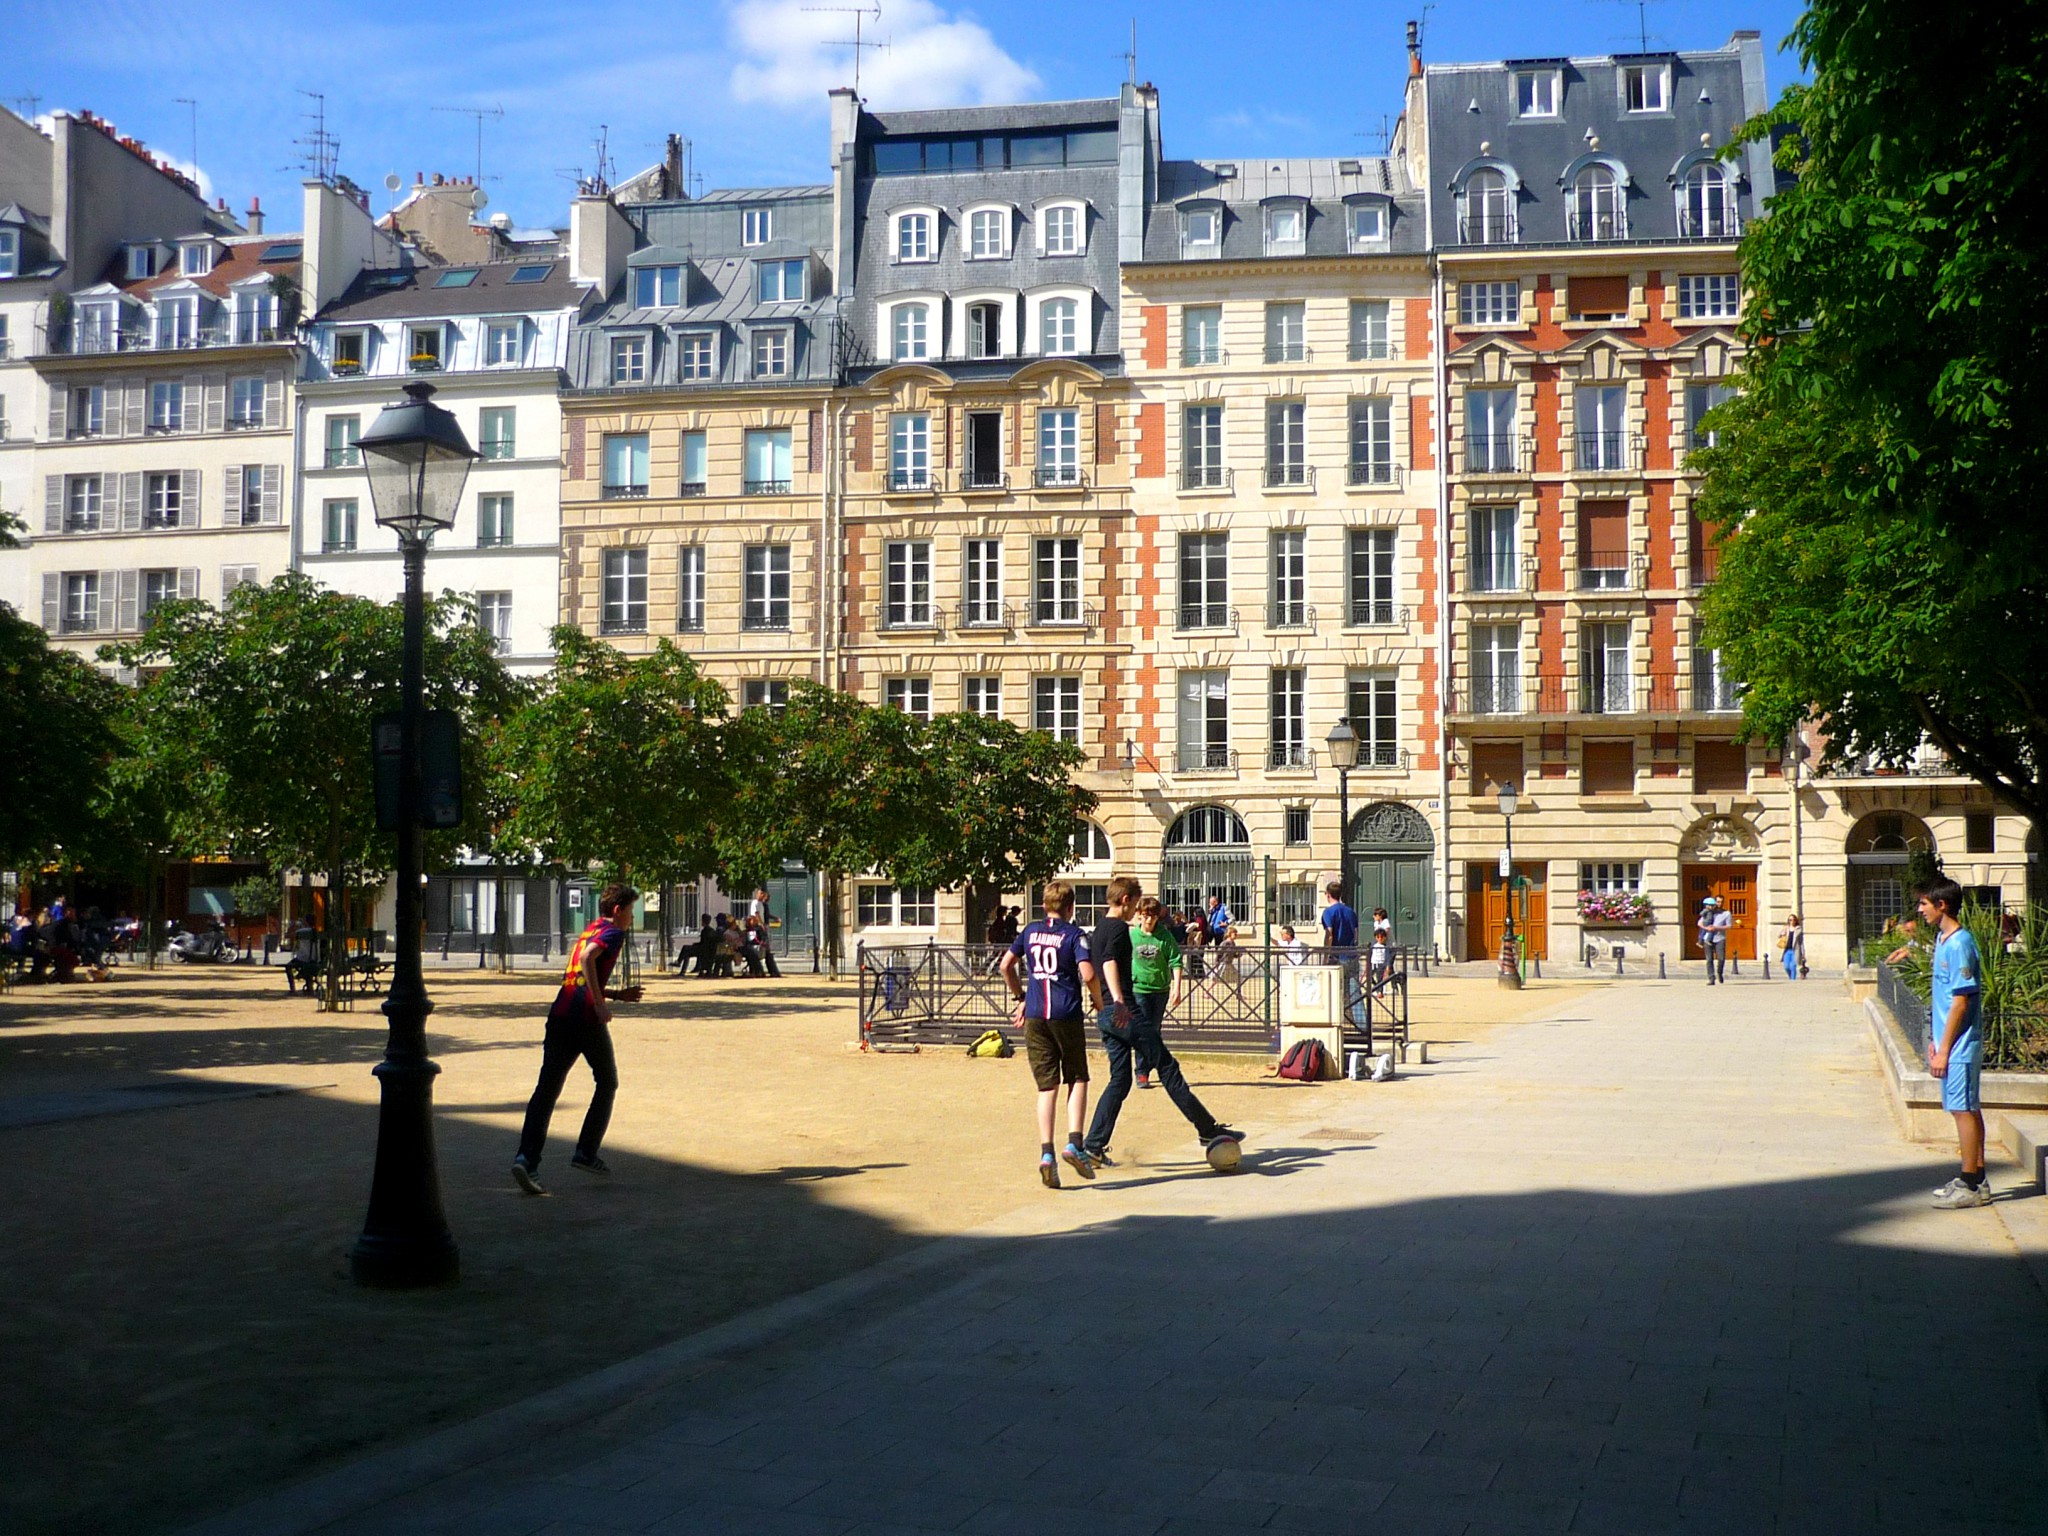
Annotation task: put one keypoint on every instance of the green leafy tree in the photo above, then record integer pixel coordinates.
(1879, 570)
(1002, 807)
(59, 717)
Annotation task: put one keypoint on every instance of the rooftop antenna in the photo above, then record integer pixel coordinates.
(600, 181)
(861, 14)
(1422, 23)
(31, 102)
(188, 102)
(479, 113)
(1130, 55)
(322, 157)
(1383, 136)
(1642, 21)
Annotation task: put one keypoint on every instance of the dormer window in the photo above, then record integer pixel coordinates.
(142, 261)
(10, 253)
(1201, 231)
(779, 282)
(177, 323)
(255, 316)
(1646, 87)
(1286, 229)
(915, 237)
(196, 259)
(988, 234)
(1365, 225)
(757, 226)
(1060, 230)
(424, 348)
(657, 287)
(1536, 92)
(351, 348)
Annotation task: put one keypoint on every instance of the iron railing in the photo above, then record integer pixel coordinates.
(1207, 616)
(1297, 476)
(1606, 453)
(765, 487)
(1059, 477)
(1497, 453)
(1489, 229)
(976, 479)
(1596, 224)
(1376, 472)
(986, 616)
(1204, 757)
(1281, 615)
(1206, 477)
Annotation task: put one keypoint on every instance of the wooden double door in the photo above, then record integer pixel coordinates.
(1736, 885)
(1486, 910)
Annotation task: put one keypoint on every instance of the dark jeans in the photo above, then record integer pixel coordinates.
(1143, 1042)
(1717, 961)
(566, 1040)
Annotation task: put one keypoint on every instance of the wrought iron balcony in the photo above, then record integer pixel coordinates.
(974, 615)
(1059, 477)
(1286, 476)
(1489, 228)
(625, 492)
(1606, 453)
(904, 480)
(1497, 454)
(765, 487)
(1206, 477)
(1204, 757)
(975, 478)
(1213, 616)
(1285, 615)
(1582, 224)
(1376, 612)
(1384, 474)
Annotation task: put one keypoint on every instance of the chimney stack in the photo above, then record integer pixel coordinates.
(1414, 48)
(672, 167)
(254, 218)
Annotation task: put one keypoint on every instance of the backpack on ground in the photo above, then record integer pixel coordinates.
(1305, 1062)
(991, 1042)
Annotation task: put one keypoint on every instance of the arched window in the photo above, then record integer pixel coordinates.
(1208, 853)
(911, 333)
(1596, 210)
(1089, 845)
(1059, 328)
(1488, 213)
(1706, 204)
(1208, 826)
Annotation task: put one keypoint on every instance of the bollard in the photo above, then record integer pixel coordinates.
(1536, 966)
(1587, 956)
(1660, 965)
(1617, 959)
(1735, 964)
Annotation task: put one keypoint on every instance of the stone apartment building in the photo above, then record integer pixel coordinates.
(1278, 338)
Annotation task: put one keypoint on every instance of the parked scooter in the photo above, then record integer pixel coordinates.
(208, 944)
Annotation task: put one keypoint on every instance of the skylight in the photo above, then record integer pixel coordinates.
(532, 274)
(284, 250)
(462, 277)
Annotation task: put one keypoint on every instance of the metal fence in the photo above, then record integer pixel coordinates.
(1907, 1006)
(949, 994)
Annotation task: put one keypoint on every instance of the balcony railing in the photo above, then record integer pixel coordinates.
(1291, 476)
(1489, 228)
(1290, 616)
(1287, 352)
(986, 616)
(690, 488)
(1928, 762)
(1207, 616)
(1203, 357)
(94, 342)
(769, 619)
(1370, 352)
(902, 616)
(1486, 695)
(625, 492)
(1063, 616)
(1386, 475)
(1376, 612)
(1059, 477)
(1598, 224)
(1291, 757)
(1615, 578)
(1606, 453)
(344, 458)
(1712, 694)
(1206, 477)
(907, 480)
(976, 478)
(1498, 454)
(765, 487)
(1725, 225)
(1382, 755)
(624, 624)
(1486, 580)
(497, 448)
(1608, 693)
(1204, 757)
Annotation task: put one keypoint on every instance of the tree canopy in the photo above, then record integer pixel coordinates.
(59, 716)
(1879, 567)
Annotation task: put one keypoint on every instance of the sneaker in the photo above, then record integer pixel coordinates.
(1222, 1133)
(1078, 1160)
(1949, 1188)
(1144, 1079)
(596, 1165)
(1048, 1170)
(1962, 1197)
(1102, 1159)
(526, 1178)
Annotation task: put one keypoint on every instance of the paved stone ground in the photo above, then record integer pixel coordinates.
(1657, 1261)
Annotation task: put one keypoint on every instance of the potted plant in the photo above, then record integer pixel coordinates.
(1614, 909)
(425, 362)
(347, 367)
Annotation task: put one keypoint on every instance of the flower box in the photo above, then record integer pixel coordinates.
(1614, 909)
(348, 367)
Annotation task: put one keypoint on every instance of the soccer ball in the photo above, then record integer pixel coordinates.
(1224, 1155)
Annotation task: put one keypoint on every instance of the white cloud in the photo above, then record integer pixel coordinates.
(789, 57)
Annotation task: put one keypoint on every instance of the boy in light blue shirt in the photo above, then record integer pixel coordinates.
(1955, 1042)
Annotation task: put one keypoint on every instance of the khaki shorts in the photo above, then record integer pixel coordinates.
(1057, 1050)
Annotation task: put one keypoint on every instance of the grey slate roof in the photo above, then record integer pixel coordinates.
(1018, 117)
(1244, 186)
(385, 293)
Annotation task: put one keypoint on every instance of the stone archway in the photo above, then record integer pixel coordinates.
(1718, 857)
(1208, 853)
(1879, 848)
(1393, 865)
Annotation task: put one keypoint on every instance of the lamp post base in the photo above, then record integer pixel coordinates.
(1510, 968)
(405, 1243)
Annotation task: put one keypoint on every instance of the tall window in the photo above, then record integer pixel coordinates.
(342, 432)
(1062, 231)
(493, 521)
(625, 591)
(984, 581)
(1059, 447)
(625, 464)
(910, 333)
(629, 359)
(1286, 332)
(1375, 717)
(1056, 581)
(770, 357)
(657, 287)
(1287, 746)
(982, 696)
(1059, 328)
(338, 526)
(158, 588)
(1490, 445)
(914, 237)
(501, 342)
(1712, 687)
(1496, 549)
(1056, 707)
(767, 453)
(988, 234)
(910, 452)
(1700, 399)
(1486, 215)
(10, 253)
(696, 355)
(1706, 208)
(984, 450)
(690, 588)
(1204, 741)
(1201, 335)
(163, 500)
(1372, 575)
(166, 406)
(1287, 443)
(1372, 441)
(1596, 209)
(1646, 87)
(767, 587)
(757, 226)
(497, 437)
(1204, 580)
(1201, 445)
(1489, 303)
(1288, 601)
(1603, 545)
(1369, 331)
(1496, 669)
(494, 618)
(177, 322)
(88, 411)
(779, 282)
(907, 586)
(1608, 684)
(245, 402)
(1709, 296)
(81, 613)
(984, 330)
(1602, 411)
(83, 503)
(695, 463)
(912, 695)
(254, 479)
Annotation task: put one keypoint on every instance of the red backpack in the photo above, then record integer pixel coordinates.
(1305, 1061)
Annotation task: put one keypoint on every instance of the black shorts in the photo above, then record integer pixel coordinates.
(1057, 1050)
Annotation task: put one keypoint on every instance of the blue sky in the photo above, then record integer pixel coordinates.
(744, 80)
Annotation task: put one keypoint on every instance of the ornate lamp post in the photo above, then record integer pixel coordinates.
(417, 460)
(1510, 955)
(1343, 744)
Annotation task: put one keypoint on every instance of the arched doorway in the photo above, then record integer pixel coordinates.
(1208, 853)
(1879, 849)
(1393, 865)
(1718, 858)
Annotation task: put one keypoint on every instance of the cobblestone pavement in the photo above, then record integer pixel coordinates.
(1655, 1261)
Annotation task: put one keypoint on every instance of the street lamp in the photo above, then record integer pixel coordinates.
(417, 459)
(1510, 957)
(1343, 744)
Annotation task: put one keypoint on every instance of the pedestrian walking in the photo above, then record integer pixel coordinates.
(1138, 973)
(579, 1025)
(1057, 972)
(1955, 1044)
(1714, 925)
(1792, 948)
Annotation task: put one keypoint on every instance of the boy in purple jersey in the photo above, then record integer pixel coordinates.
(1057, 974)
(577, 1026)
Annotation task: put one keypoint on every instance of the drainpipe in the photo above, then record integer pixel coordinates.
(1441, 383)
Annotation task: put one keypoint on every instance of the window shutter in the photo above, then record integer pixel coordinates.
(273, 399)
(127, 601)
(134, 409)
(193, 418)
(817, 442)
(273, 493)
(110, 582)
(53, 601)
(1603, 535)
(1105, 433)
(231, 496)
(60, 412)
(188, 582)
(1608, 768)
(1606, 295)
(131, 503)
(53, 503)
(216, 402)
(188, 499)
